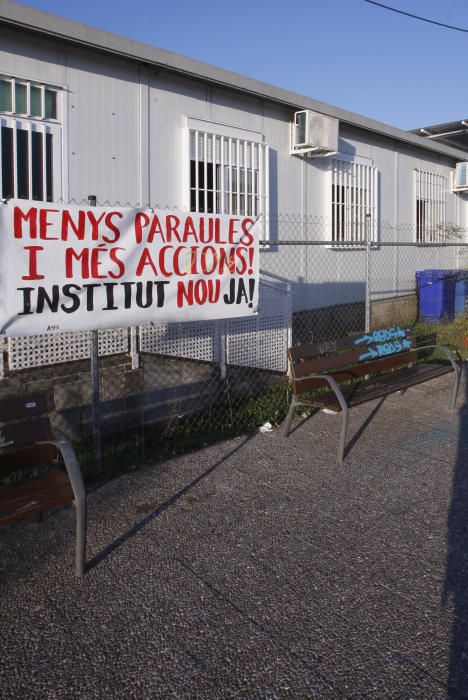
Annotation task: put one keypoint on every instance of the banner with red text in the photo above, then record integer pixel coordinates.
(68, 268)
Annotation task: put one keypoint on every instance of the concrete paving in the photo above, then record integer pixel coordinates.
(257, 568)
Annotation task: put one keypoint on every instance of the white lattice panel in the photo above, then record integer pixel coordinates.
(197, 341)
(113, 341)
(41, 350)
(262, 341)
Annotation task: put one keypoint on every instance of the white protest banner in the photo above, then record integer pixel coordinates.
(67, 268)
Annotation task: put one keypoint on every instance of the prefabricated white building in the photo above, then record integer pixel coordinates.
(84, 112)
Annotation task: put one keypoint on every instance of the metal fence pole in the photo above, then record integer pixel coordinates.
(368, 273)
(96, 408)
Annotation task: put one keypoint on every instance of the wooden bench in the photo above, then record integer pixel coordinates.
(346, 372)
(27, 444)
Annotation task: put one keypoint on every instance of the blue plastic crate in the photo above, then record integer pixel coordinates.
(461, 293)
(436, 294)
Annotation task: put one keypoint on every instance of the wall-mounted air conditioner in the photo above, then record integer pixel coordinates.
(314, 133)
(460, 178)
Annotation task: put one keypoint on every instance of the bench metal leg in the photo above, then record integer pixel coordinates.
(344, 430)
(456, 384)
(289, 417)
(76, 480)
(80, 551)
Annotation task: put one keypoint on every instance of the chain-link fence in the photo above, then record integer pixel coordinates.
(153, 391)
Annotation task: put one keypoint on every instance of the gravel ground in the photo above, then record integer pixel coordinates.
(257, 568)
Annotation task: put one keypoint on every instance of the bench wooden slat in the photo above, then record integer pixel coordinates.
(325, 347)
(380, 386)
(300, 352)
(37, 495)
(25, 432)
(23, 407)
(327, 362)
(26, 458)
(355, 372)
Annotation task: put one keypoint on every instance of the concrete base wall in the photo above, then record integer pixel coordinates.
(395, 311)
(345, 319)
(160, 389)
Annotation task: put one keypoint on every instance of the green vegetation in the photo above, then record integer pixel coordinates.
(453, 334)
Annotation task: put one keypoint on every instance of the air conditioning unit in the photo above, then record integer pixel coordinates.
(314, 133)
(460, 180)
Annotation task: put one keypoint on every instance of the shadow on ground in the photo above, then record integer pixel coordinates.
(456, 580)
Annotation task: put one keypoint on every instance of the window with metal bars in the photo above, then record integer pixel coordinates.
(430, 191)
(353, 202)
(30, 140)
(228, 171)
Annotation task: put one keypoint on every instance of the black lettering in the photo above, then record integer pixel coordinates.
(43, 298)
(90, 295)
(26, 300)
(67, 292)
(110, 296)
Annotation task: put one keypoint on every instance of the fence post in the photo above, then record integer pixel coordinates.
(96, 413)
(368, 273)
(134, 354)
(222, 339)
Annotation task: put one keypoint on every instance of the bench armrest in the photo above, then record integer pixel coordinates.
(456, 365)
(71, 465)
(333, 385)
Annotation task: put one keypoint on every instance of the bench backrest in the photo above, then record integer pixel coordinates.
(24, 421)
(350, 358)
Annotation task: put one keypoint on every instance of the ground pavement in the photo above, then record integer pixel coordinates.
(257, 568)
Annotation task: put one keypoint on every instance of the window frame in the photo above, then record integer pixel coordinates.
(254, 141)
(46, 126)
(429, 219)
(362, 171)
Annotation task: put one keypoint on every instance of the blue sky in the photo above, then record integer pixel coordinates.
(345, 52)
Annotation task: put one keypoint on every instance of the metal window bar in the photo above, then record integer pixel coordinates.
(239, 170)
(353, 197)
(430, 206)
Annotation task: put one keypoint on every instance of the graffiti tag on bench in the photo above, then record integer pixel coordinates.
(382, 343)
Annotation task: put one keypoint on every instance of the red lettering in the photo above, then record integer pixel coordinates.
(184, 293)
(200, 292)
(44, 224)
(205, 267)
(115, 259)
(112, 227)
(145, 260)
(156, 228)
(241, 256)
(83, 257)
(247, 238)
(172, 223)
(232, 230)
(141, 221)
(193, 260)
(33, 273)
(95, 221)
(189, 229)
(96, 263)
(226, 260)
(217, 231)
(30, 216)
(77, 228)
(177, 268)
(162, 261)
